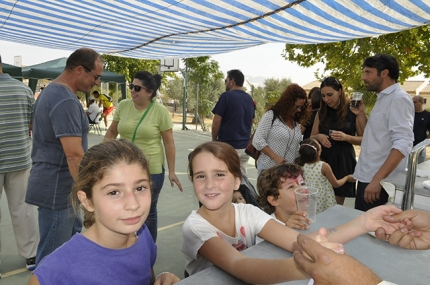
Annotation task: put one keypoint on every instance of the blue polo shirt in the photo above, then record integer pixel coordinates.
(236, 108)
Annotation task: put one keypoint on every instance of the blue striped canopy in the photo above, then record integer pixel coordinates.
(155, 29)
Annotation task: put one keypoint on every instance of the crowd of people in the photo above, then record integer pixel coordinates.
(116, 184)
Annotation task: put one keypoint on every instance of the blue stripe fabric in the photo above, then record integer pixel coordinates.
(155, 29)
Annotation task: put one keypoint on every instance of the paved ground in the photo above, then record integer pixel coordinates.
(173, 208)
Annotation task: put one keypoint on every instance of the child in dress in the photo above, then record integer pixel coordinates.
(113, 186)
(276, 189)
(219, 230)
(319, 174)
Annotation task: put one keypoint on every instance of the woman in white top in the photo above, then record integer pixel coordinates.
(279, 132)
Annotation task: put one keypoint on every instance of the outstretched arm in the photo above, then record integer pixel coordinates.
(328, 173)
(250, 270)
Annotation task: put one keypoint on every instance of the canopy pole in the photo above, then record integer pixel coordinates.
(184, 103)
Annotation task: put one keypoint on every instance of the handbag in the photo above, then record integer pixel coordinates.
(250, 149)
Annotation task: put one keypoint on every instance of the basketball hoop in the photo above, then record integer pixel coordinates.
(169, 65)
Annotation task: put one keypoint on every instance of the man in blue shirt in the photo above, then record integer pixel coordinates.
(234, 116)
(60, 140)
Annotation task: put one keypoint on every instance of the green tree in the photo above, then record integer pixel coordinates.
(206, 74)
(274, 88)
(175, 90)
(266, 96)
(344, 59)
(129, 66)
(259, 96)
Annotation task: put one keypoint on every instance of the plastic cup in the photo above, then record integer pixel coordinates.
(355, 100)
(306, 198)
(330, 132)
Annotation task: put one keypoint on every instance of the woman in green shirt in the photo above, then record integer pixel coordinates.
(146, 122)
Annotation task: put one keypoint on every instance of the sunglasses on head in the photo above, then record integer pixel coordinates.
(136, 88)
(330, 80)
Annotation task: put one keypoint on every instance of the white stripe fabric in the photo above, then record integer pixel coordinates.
(155, 29)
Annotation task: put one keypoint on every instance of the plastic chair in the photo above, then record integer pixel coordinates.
(95, 125)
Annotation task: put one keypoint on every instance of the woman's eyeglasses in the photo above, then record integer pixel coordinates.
(299, 107)
(96, 77)
(136, 88)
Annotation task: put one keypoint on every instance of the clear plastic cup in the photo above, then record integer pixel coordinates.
(307, 198)
(355, 99)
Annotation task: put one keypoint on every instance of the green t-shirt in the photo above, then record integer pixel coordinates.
(148, 135)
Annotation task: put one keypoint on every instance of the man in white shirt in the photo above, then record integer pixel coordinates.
(388, 136)
(93, 110)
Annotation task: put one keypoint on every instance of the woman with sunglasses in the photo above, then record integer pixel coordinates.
(147, 124)
(338, 127)
(279, 132)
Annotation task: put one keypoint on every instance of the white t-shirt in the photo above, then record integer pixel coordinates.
(196, 231)
(93, 109)
(259, 239)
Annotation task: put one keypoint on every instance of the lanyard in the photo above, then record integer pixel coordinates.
(141, 119)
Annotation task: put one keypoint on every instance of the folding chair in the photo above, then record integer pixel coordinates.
(95, 125)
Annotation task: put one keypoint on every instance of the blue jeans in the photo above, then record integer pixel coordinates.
(151, 221)
(55, 227)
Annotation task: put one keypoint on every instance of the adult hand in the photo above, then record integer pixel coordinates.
(414, 230)
(174, 179)
(360, 110)
(324, 140)
(298, 220)
(278, 159)
(338, 136)
(372, 191)
(375, 218)
(166, 278)
(328, 267)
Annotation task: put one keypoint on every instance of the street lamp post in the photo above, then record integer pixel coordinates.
(184, 103)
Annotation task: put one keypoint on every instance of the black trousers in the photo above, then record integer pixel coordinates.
(361, 205)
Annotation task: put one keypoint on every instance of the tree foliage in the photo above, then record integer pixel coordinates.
(266, 96)
(129, 66)
(206, 74)
(273, 88)
(175, 91)
(344, 59)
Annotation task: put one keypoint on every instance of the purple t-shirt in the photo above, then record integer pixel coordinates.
(81, 261)
(236, 108)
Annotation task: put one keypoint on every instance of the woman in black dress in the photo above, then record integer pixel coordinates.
(337, 127)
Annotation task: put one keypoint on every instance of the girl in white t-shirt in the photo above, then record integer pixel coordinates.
(319, 174)
(219, 230)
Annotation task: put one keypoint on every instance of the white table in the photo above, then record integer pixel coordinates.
(389, 262)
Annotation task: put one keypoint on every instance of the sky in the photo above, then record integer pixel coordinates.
(264, 60)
